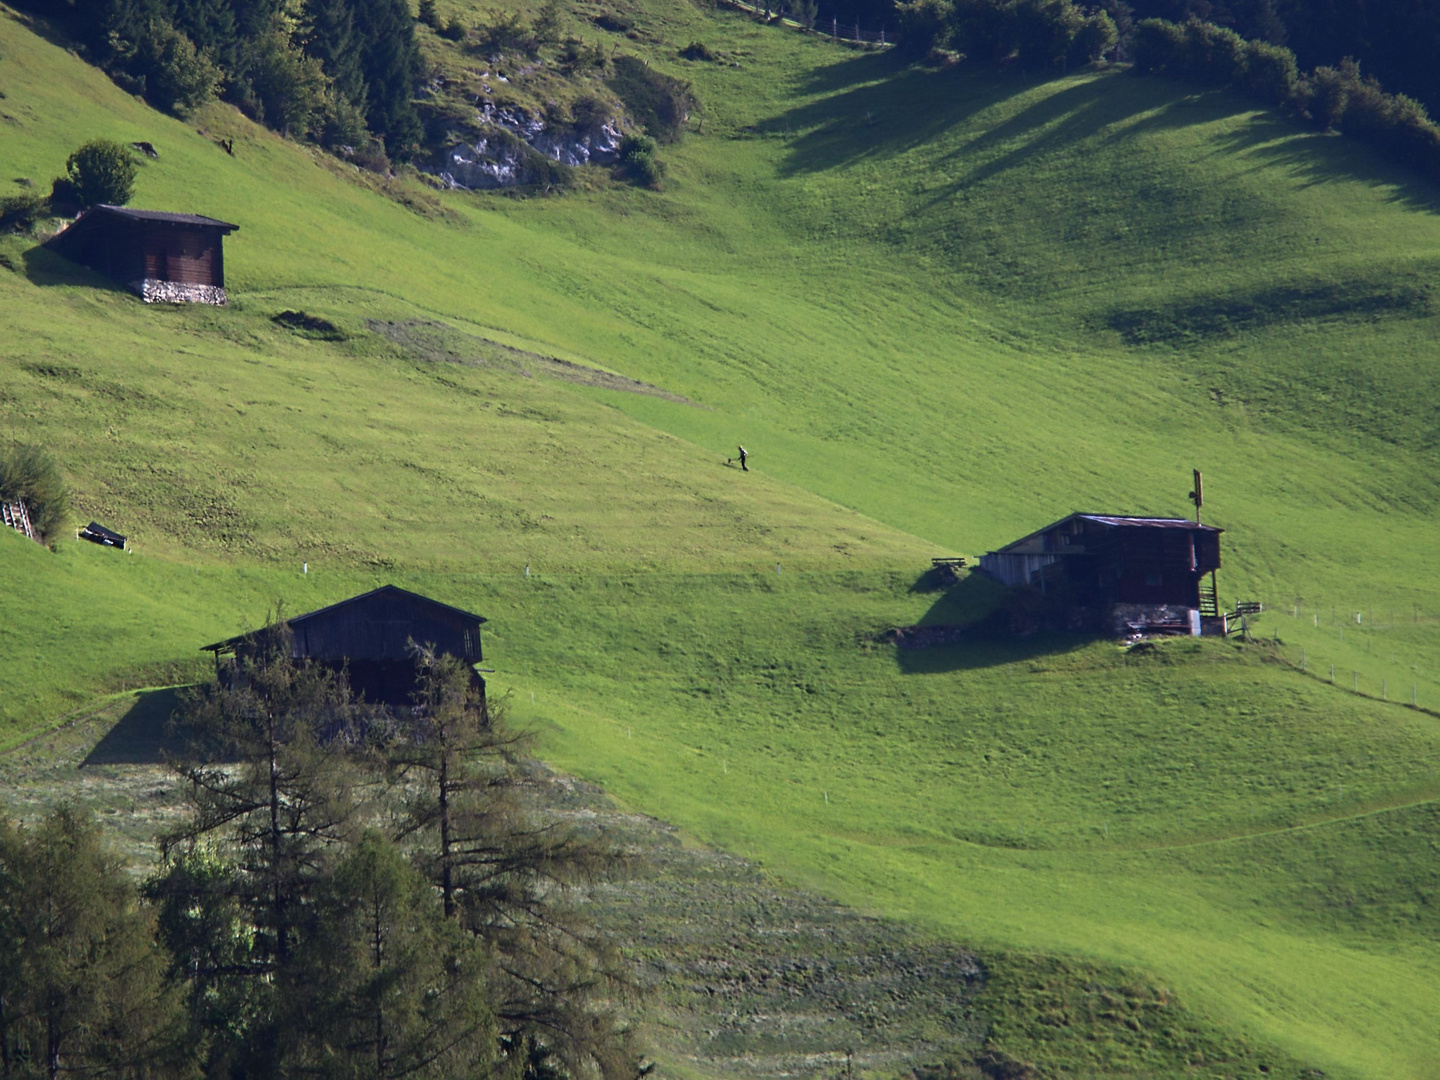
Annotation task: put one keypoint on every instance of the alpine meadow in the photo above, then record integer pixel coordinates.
(941, 302)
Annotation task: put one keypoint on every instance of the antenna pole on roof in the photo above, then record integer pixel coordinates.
(1197, 496)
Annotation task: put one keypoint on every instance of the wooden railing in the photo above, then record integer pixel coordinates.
(17, 517)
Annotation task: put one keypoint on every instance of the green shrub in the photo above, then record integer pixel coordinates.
(507, 30)
(546, 26)
(923, 25)
(29, 472)
(631, 145)
(1156, 47)
(615, 22)
(646, 170)
(341, 122)
(1329, 96)
(1271, 73)
(102, 171)
(1097, 36)
(455, 30)
(179, 78)
(428, 15)
(638, 161)
(697, 50)
(661, 103)
(21, 212)
(1212, 54)
(289, 87)
(576, 56)
(588, 112)
(1340, 97)
(1044, 32)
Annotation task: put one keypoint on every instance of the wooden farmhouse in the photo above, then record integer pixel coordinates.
(1124, 575)
(161, 257)
(371, 636)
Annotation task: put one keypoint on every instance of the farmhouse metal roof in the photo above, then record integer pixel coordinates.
(165, 217)
(384, 590)
(1142, 522)
(1117, 521)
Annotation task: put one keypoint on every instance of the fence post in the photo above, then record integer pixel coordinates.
(834, 28)
(1302, 659)
(882, 35)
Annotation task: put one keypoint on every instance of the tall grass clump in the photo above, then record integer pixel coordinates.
(31, 473)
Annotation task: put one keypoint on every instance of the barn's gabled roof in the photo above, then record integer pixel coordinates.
(1142, 522)
(1116, 521)
(163, 217)
(385, 590)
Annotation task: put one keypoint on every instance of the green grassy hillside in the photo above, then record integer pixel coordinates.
(940, 309)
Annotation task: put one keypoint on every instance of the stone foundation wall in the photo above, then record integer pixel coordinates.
(155, 291)
(1128, 619)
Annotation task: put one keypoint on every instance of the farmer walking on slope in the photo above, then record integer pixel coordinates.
(743, 456)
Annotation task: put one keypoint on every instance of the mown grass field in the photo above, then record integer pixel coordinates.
(940, 309)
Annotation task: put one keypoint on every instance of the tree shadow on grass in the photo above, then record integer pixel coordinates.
(1318, 159)
(884, 113)
(144, 735)
(879, 106)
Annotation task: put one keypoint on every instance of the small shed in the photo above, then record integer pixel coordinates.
(162, 257)
(1129, 574)
(371, 635)
(99, 534)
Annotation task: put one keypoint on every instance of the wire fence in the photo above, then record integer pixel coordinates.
(1385, 652)
(831, 28)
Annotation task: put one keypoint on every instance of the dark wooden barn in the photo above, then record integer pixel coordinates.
(170, 258)
(1129, 573)
(371, 635)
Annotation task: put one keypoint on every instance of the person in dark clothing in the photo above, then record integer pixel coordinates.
(743, 457)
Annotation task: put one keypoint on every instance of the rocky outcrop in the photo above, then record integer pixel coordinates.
(501, 157)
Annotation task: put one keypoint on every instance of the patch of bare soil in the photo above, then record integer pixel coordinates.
(437, 343)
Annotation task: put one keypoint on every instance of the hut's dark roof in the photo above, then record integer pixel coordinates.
(97, 529)
(163, 216)
(1117, 521)
(1142, 522)
(385, 590)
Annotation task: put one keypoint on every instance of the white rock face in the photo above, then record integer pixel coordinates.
(495, 163)
(155, 291)
(481, 167)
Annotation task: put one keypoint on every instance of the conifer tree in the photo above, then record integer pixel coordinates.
(505, 872)
(387, 985)
(82, 988)
(330, 37)
(282, 801)
(391, 67)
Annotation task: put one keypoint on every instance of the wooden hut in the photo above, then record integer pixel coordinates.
(372, 636)
(1127, 574)
(162, 257)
